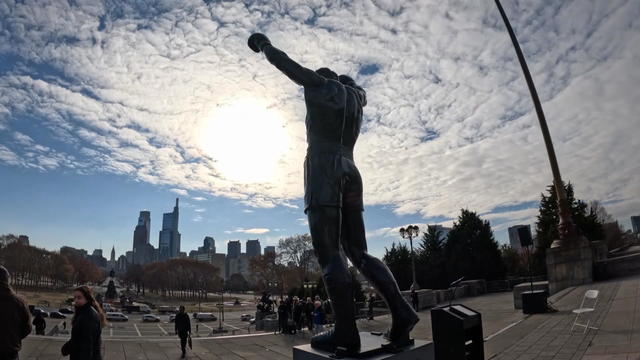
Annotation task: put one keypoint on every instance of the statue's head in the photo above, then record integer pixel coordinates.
(346, 80)
(327, 73)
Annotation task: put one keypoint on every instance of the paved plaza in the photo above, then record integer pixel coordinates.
(508, 333)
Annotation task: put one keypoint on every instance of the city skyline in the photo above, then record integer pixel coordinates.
(89, 137)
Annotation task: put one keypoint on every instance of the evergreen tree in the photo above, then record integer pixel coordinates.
(398, 259)
(471, 250)
(586, 222)
(430, 260)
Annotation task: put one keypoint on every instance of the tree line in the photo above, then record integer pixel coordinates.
(177, 278)
(34, 267)
(470, 249)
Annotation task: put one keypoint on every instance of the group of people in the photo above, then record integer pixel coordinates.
(295, 314)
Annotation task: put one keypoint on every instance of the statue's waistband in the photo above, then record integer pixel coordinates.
(332, 148)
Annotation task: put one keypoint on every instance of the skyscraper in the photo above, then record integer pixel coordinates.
(208, 245)
(113, 254)
(233, 249)
(635, 224)
(169, 242)
(143, 251)
(253, 248)
(514, 238)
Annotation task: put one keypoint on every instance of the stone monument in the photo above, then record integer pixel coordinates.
(334, 205)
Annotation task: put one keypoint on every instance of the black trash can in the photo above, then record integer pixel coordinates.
(534, 302)
(457, 333)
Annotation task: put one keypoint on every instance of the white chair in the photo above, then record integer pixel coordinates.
(589, 295)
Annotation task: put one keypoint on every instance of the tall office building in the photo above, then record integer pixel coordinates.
(143, 251)
(635, 224)
(113, 254)
(269, 249)
(514, 238)
(208, 245)
(233, 249)
(253, 248)
(169, 242)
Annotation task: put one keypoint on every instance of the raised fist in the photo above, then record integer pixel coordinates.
(257, 41)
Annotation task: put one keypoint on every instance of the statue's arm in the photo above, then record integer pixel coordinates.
(294, 71)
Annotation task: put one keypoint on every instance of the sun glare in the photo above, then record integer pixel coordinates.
(246, 139)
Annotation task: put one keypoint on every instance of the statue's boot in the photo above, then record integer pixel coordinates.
(344, 337)
(403, 317)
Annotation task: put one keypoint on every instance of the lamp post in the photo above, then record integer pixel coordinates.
(410, 232)
(308, 285)
(566, 228)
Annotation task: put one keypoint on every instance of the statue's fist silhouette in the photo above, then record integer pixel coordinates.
(257, 41)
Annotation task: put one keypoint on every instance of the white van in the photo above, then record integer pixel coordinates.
(205, 317)
(116, 316)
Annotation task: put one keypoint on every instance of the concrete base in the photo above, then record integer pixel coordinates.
(520, 288)
(570, 265)
(371, 349)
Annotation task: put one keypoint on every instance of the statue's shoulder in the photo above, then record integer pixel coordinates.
(332, 93)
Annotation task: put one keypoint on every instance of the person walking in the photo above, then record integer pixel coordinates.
(183, 329)
(39, 323)
(318, 318)
(414, 300)
(14, 317)
(86, 327)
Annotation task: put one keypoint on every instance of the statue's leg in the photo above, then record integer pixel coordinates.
(324, 224)
(354, 243)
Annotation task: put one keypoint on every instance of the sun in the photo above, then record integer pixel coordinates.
(246, 139)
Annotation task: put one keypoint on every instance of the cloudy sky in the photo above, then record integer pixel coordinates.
(108, 108)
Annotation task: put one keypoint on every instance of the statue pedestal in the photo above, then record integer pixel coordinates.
(569, 265)
(371, 349)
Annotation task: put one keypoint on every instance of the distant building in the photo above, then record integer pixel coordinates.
(113, 253)
(217, 260)
(635, 224)
(514, 238)
(143, 251)
(208, 244)
(129, 257)
(233, 249)
(98, 259)
(121, 265)
(10, 239)
(253, 248)
(73, 251)
(238, 265)
(169, 241)
(269, 250)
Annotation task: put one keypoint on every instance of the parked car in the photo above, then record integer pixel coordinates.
(139, 308)
(65, 311)
(150, 318)
(172, 317)
(38, 310)
(116, 316)
(57, 315)
(167, 309)
(245, 317)
(205, 317)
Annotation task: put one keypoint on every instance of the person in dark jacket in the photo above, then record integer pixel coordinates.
(39, 323)
(297, 313)
(86, 327)
(283, 316)
(372, 300)
(183, 329)
(308, 313)
(14, 317)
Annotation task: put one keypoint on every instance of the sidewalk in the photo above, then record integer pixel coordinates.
(508, 333)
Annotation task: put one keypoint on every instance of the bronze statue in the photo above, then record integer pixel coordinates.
(333, 200)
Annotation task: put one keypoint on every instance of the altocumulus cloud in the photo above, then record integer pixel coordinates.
(127, 87)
